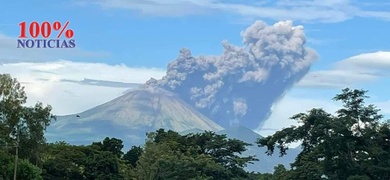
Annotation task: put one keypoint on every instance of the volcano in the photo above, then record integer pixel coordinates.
(129, 117)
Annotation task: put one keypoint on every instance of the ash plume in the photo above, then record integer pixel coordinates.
(240, 86)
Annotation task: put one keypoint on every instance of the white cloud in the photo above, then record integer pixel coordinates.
(71, 87)
(290, 106)
(304, 10)
(355, 70)
(371, 62)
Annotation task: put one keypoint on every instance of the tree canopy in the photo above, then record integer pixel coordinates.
(21, 127)
(352, 144)
(168, 155)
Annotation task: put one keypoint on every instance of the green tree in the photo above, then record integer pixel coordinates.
(352, 144)
(63, 161)
(280, 173)
(160, 161)
(21, 126)
(113, 145)
(168, 155)
(67, 162)
(224, 151)
(103, 165)
(5, 165)
(25, 170)
(132, 156)
(12, 97)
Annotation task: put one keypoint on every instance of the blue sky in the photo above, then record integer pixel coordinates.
(142, 37)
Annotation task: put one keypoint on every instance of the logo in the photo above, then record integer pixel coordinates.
(40, 35)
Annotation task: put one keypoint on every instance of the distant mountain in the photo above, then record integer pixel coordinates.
(129, 117)
(241, 133)
(265, 163)
(191, 131)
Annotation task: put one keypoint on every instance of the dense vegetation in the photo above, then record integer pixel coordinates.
(352, 144)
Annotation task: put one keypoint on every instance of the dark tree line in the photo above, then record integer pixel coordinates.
(352, 144)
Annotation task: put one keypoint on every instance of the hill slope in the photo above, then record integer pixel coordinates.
(129, 117)
(266, 163)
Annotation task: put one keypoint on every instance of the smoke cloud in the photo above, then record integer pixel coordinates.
(240, 86)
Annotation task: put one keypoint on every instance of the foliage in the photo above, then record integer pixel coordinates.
(25, 169)
(102, 165)
(132, 156)
(5, 165)
(353, 144)
(168, 155)
(20, 125)
(64, 161)
(112, 145)
(280, 173)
